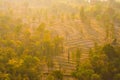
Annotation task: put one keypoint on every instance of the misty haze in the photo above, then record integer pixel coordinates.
(59, 39)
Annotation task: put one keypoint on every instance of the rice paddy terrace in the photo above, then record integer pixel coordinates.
(77, 36)
(80, 25)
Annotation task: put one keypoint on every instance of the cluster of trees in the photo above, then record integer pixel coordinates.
(55, 75)
(24, 52)
(103, 65)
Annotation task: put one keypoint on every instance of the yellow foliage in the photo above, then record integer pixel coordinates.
(15, 62)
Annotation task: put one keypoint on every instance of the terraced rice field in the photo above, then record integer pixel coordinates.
(76, 36)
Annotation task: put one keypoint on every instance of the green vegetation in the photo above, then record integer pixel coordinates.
(23, 52)
(33, 38)
(104, 64)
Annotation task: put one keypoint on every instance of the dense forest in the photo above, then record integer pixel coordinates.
(60, 40)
